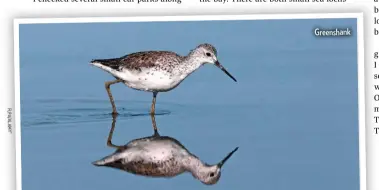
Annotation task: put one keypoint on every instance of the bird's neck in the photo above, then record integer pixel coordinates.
(195, 166)
(190, 64)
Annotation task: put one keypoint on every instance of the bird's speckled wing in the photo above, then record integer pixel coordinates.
(139, 60)
(167, 168)
(145, 160)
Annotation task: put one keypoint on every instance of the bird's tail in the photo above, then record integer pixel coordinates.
(112, 66)
(103, 60)
(106, 160)
(110, 63)
(114, 158)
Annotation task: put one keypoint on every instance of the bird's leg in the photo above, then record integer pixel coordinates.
(109, 141)
(154, 125)
(152, 110)
(107, 87)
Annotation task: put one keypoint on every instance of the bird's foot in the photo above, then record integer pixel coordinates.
(114, 114)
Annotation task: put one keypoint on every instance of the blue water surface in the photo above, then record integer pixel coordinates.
(293, 111)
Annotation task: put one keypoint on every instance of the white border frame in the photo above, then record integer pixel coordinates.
(360, 53)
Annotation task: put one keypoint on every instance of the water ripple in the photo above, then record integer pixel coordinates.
(61, 111)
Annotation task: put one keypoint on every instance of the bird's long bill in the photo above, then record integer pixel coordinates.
(226, 158)
(225, 71)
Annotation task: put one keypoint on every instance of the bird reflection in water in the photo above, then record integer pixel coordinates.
(159, 156)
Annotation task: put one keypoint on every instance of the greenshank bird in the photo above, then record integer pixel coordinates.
(156, 71)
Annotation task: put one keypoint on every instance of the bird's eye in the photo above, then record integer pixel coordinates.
(208, 54)
(211, 174)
